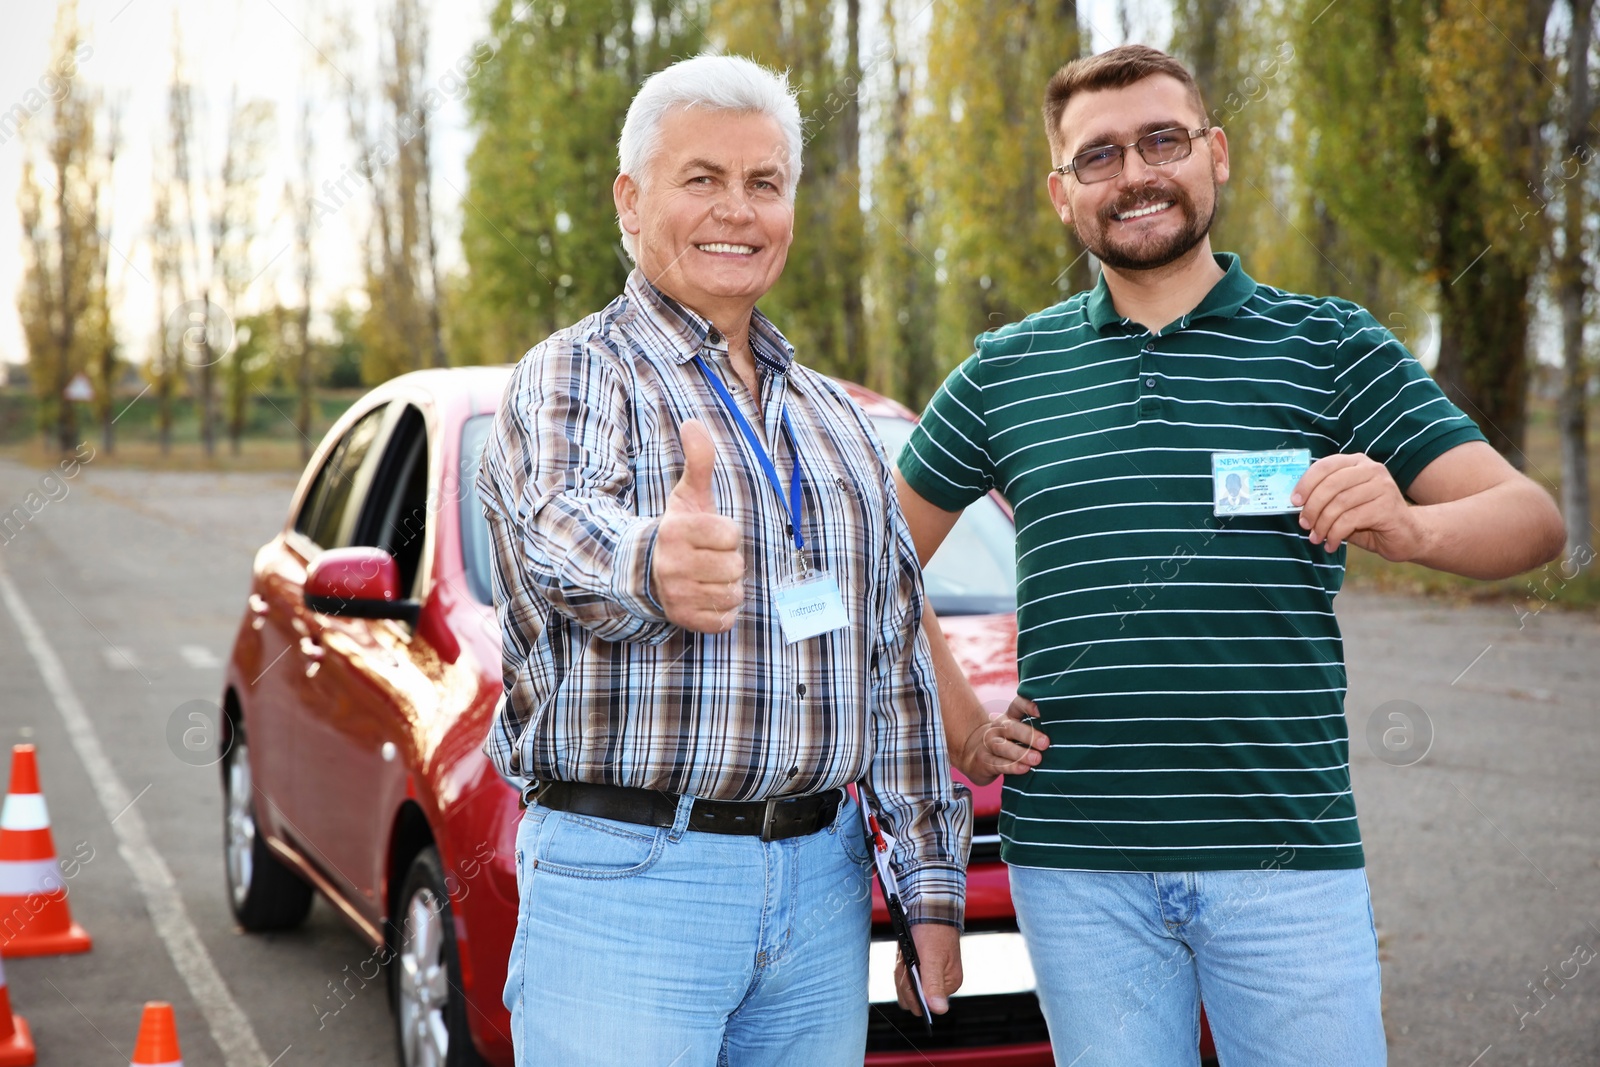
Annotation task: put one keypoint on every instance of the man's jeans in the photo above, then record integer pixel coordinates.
(654, 947)
(1285, 961)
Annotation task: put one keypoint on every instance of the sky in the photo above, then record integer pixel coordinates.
(278, 50)
(281, 51)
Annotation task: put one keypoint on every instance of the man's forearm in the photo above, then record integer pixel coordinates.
(1502, 531)
(962, 713)
(596, 573)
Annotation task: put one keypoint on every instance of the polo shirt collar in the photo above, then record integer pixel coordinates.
(687, 333)
(1223, 301)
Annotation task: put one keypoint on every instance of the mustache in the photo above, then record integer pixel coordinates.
(1143, 199)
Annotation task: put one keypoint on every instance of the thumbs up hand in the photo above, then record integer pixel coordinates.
(697, 571)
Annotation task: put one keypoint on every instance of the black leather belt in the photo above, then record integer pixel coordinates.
(772, 820)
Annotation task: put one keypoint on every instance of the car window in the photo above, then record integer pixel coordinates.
(975, 570)
(323, 516)
(474, 528)
(395, 516)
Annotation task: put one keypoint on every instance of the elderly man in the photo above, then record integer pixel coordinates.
(711, 612)
(1188, 833)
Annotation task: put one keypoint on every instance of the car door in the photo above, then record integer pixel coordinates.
(289, 653)
(376, 677)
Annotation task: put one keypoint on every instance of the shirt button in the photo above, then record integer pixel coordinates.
(1149, 383)
(800, 690)
(793, 771)
(714, 337)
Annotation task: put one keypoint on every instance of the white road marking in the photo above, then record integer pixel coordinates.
(228, 1024)
(120, 659)
(199, 657)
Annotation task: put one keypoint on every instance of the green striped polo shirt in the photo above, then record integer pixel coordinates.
(1188, 669)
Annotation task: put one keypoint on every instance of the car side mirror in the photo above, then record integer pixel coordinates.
(358, 583)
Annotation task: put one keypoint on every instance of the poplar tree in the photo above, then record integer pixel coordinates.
(1000, 249)
(403, 329)
(819, 302)
(233, 231)
(1427, 137)
(901, 287)
(539, 230)
(1574, 273)
(62, 302)
(165, 368)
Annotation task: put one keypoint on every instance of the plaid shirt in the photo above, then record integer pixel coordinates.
(601, 688)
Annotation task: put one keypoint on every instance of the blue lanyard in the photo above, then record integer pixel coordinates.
(793, 501)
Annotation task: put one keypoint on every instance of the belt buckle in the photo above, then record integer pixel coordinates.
(769, 815)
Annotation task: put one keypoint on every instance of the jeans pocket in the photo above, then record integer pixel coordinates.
(852, 838)
(579, 846)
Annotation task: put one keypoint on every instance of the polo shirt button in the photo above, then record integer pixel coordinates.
(714, 337)
(1149, 383)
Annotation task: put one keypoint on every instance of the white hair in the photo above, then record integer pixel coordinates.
(714, 82)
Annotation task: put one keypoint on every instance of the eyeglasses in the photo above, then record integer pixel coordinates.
(1105, 162)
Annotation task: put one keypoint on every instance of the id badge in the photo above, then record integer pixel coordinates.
(810, 606)
(1256, 483)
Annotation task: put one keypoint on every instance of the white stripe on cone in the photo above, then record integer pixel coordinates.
(18, 878)
(164, 1063)
(24, 811)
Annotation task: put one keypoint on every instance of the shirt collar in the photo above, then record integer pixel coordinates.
(688, 333)
(1224, 299)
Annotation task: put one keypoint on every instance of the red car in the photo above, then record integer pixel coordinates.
(360, 689)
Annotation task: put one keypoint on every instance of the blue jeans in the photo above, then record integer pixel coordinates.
(1285, 961)
(656, 947)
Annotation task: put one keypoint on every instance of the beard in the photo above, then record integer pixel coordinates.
(1148, 254)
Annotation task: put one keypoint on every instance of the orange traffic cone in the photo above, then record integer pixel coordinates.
(34, 917)
(158, 1038)
(16, 1044)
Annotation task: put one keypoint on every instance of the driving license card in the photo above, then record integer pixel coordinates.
(810, 607)
(1256, 483)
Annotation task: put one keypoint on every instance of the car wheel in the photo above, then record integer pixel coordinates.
(265, 894)
(430, 1010)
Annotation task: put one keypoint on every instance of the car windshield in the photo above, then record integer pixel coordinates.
(973, 573)
(975, 570)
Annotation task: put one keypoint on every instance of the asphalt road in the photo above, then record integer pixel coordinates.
(1480, 804)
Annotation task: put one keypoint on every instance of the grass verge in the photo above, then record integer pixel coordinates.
(1567, 584)
(279, 456)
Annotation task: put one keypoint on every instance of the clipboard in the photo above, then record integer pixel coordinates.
(881, 846)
